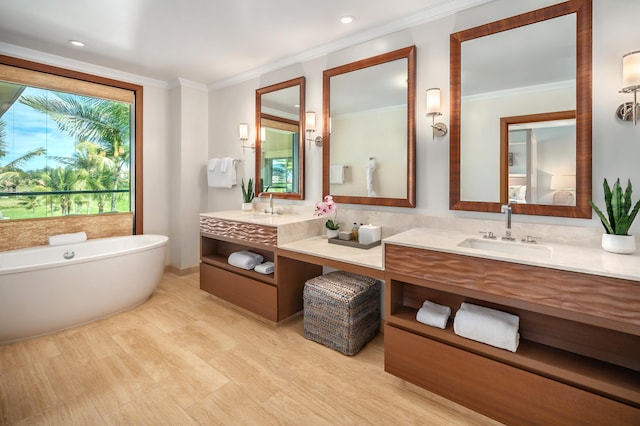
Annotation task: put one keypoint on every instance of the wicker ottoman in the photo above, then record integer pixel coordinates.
(342, 310)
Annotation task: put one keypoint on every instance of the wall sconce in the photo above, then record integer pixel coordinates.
(243, 134)
(433, 110)
(628, 111)
(310, 127)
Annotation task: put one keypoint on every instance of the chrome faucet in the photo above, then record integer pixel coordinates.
(506, 210)
(270, 211)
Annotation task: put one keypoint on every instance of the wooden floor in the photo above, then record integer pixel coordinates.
(184, 358)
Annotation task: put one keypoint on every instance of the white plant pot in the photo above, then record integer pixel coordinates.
(622, 244)
(247, 206)
(332, 233)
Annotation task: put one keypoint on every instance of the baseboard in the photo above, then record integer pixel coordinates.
(186, 271)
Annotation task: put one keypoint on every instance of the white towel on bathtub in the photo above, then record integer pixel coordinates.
(245, 259)
(433, 314)
(486, 325)
(76, 237)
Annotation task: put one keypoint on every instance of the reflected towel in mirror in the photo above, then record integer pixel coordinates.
(336, 174)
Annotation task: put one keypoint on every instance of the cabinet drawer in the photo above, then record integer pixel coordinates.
(255, 296)
(500, 391)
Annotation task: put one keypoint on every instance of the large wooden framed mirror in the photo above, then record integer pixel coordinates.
(368, 109)
(280, 139)
(522, 68)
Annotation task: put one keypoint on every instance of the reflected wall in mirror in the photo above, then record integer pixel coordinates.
(279, 139)
(369, 142)
(539, 152)
(532, 64)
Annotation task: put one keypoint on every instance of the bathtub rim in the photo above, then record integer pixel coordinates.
(157, 240)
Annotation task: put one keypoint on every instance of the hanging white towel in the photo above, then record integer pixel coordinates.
(371, 168)
(213, 163)
(336, 174)
(223, 174)
(486, 325)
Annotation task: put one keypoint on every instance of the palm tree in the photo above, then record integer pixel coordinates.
(11, 172)
(102, 122)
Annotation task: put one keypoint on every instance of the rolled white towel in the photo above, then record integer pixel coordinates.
(486, 325)
(265, 268)
(75, 237)
(433, 314)
(245, 259)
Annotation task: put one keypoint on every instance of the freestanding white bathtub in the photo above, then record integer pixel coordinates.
(51, 288)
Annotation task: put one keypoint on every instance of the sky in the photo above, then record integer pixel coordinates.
(28, 129)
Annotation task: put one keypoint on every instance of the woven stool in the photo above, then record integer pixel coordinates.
(342, 310)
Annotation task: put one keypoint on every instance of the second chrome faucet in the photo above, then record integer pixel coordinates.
(506, 210)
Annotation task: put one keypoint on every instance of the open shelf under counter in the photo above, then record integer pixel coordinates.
(577, 361)
(600, 377)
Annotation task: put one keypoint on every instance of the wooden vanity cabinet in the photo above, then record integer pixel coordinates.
(578, 361)
(274, 297)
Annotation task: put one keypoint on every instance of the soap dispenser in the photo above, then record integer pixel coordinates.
(354, 231)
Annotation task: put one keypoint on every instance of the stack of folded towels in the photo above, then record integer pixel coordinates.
(250, 260)
(433, 314)
(245, 259)
(486, 325)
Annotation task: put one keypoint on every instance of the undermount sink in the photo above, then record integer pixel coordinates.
(508, 247)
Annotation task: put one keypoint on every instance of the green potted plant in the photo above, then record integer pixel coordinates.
(247, 195)
(620, 216)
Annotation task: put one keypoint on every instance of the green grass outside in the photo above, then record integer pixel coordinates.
(11, 209)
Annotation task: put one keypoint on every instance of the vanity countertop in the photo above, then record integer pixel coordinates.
(320, 247)
(586, 258)
(259, 218)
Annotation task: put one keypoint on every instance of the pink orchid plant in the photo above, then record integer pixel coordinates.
(327, 207)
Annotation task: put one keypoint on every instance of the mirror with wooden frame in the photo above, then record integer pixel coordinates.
(279, 144)
(369, 134)
(530, 65)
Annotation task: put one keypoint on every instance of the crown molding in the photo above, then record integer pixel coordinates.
(72, 64)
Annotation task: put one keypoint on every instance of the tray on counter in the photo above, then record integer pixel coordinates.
(353, 243)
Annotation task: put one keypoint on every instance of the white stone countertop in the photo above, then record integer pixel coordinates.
(585, 258)
(258, 217)
(319, 246)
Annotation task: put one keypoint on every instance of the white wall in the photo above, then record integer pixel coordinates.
(179, 185)
(616, 145)
(188, 157)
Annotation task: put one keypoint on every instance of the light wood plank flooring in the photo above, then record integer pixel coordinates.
(185, 358)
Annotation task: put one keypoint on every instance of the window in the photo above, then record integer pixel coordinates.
(70, 143)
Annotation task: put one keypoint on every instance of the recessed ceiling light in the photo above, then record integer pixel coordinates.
(347, 19)
(76, 43)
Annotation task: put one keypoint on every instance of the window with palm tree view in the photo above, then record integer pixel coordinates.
(63, 153)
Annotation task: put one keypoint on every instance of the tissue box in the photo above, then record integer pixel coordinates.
(368, 234)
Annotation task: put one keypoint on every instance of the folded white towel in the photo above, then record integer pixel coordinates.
(76, 237)
(336, 173)
(433, 314)
(265, 268)
(245, 259)
(486, 325)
